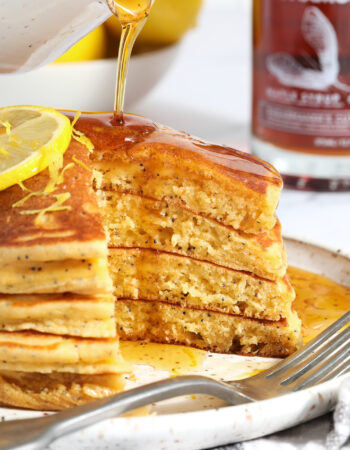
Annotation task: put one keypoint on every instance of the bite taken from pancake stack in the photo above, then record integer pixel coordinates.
(195, 250)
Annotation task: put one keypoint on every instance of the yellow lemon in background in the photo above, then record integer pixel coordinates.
(167, 23)
(92, 46)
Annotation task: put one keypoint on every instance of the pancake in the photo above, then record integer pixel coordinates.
(65, 314)
(58, 344)
(185, 215)
(76, 233)
(55, 391)
(208, 330)
(153, 275)
(142, 157)
(81, 276)
(30, 351)
(134, 221)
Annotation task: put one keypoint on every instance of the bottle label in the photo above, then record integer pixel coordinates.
(302, 74)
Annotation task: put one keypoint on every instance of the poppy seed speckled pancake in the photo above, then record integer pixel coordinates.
(55, 391)
(75, 233)
(81, 276)
(30, 351)
(205, 329)
(143, 157)
(134, 221)
(58, 344)
(185, 281)
(191, 216)
(65, 314)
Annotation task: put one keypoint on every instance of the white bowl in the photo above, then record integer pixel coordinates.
(87, 86)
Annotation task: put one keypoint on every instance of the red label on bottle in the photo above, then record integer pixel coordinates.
(302, 74)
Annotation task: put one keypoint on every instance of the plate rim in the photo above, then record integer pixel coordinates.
(310, 241)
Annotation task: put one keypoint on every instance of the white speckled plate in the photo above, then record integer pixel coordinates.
(202, 422)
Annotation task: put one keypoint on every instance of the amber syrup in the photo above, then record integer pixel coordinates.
(132, 15)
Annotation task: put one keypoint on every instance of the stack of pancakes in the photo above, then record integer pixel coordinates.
(58, 345)
(195, 249)
(195, 257)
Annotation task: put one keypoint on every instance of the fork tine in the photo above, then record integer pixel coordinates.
(321, 372)
(341, 370)
(309, 348)
(318, 357)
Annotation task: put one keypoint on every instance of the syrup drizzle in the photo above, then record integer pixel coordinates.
(132, 15)
(108, 134)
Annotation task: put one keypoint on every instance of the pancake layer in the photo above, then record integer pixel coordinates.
(134, 221)
(142, 157)
(58, 345)
(153, 275)
(208, 330)
(65, 314)
(75, 233)
(55, 391)
(81, 276)
(29, 351)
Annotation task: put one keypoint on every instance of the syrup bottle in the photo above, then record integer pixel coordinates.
(301, 91)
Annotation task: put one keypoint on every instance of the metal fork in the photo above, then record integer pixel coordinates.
(325, 357)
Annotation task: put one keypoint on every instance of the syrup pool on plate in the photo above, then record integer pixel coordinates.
(319, 301)
(176, 359)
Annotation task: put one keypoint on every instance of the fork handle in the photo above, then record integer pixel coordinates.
(68, 421)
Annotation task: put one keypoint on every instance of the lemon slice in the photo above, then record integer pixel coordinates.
(31, 138)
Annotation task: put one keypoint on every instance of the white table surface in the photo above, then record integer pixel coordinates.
(207, 93)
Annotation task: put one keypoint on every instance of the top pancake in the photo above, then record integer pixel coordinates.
(144, 158)
(75, 233)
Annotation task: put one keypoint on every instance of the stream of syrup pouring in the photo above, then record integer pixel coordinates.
(132, 15)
